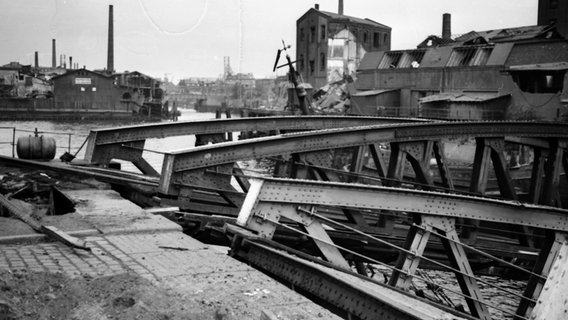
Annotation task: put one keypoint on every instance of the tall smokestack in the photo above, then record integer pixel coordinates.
(53, 55)
(36, 60)
(70, 62)
(340, 9)
(317, 6)
(447, 26)
(110, 53)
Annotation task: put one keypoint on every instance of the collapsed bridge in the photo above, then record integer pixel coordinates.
(350, 193)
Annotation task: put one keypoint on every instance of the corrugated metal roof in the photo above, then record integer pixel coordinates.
(551, 66)
(372, 92)
(462, 97)
(354, 19)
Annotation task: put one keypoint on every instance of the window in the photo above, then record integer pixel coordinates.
(385, 39)
(553, 4)
(322, 32)
(390, 60)
(461, 57)
(312, 34)
(302, 34)
(94, 89)
(82, 89)
(322, 61)
(539, 81)
(469, 56)
(411, 59)
(376, 39)
(365, 37)
(312, 67)
(301, 63)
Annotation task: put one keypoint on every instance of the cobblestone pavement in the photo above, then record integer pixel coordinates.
(169, 259)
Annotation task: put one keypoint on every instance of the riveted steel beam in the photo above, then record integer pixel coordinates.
(408, 200)
(351, 137)
(348, 293)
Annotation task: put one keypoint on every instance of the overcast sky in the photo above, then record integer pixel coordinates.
(183, 38)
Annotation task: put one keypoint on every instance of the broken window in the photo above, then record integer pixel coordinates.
(539, 81)
(336, 48)
(376, 39)
(390, 60)
(411, 59)
(462, 57)
(481, 56)
(322, 32)
(322, 61)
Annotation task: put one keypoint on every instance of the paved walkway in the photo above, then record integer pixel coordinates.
(125, 238)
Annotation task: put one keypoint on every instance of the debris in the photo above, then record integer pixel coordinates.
(174, 248)
(26, 214)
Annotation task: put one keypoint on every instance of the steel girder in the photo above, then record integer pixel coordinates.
(269, 200)
(348, 293)
(104, 145)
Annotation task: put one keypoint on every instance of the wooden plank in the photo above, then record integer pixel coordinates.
(26, 216)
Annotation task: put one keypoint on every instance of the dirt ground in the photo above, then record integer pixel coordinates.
(40, 295)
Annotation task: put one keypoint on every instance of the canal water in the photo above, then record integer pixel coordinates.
(70, 136)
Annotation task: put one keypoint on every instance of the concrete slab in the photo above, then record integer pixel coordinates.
(109, 213)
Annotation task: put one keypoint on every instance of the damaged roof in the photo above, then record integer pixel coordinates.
(367, 21)
(336, 16)
(462, 97)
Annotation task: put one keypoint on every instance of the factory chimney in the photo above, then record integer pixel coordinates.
(70, 62)
(53, 55)
(110, 52)
(36, 60)
(340, 9)
(317, 6)
(447, 26)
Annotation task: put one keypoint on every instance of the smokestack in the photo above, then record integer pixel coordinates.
(110, 53)
(70, 62)
(53, 55)
(340, 9)
(317, 6)
(447, 26)
(36, 60)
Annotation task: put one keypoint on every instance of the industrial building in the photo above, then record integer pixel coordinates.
(510, 73)
(331, 45)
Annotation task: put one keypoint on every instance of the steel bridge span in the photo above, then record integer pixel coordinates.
(394, 199)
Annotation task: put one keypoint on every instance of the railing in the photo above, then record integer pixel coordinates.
(69, 139)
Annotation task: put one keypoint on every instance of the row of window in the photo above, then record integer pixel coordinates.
(378, 37)
(460, 57)
(312, 64)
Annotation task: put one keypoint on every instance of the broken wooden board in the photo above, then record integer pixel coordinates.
(25, 213)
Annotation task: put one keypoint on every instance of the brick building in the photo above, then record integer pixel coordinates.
(330, 45)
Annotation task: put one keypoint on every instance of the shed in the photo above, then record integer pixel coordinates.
(376, 102)
(464, 106)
